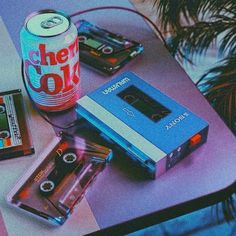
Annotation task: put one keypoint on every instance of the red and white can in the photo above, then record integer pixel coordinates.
(50, 50)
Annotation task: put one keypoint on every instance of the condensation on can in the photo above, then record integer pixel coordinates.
(50, 52)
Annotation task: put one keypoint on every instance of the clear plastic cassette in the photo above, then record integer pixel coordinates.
(57, 181)
(103, 50)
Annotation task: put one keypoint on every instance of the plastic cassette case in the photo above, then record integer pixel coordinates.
(104, 50)
(15, 137)
(58, 179)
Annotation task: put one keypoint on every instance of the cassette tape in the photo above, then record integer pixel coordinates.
(15, 137)
(103, 50)
(152, 128)
(58, 179)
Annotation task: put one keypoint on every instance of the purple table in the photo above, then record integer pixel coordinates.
(122, 200)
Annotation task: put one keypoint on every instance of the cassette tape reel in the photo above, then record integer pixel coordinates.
(59, 178)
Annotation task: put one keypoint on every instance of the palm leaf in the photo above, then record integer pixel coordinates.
(197, 38)
(173, 12)
(228, 43)
(219, 87)
(199, 34)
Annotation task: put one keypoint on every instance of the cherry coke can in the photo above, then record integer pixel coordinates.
(50, 51)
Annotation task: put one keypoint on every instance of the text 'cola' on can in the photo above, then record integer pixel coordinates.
(50, 51)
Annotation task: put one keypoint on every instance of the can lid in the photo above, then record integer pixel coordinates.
(47, 23)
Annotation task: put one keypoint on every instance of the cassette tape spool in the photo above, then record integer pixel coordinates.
(104, 50)
(15, 137)
(59, 178)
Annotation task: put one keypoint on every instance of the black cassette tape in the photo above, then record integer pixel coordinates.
(103, 50)
(15, 138)
(58, 179)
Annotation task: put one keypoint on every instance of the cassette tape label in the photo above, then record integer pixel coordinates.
(15, 138)
(10, 135)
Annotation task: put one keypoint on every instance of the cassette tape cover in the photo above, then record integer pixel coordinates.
(103, 50)
(15, 137)
(58, 179)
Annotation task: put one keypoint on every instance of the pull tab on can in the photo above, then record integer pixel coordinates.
(51, 22)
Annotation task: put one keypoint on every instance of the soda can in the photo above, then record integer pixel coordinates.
(50, 51)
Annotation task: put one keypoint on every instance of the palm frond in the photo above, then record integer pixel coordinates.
(172, 12)
(219, 87)
(197, 38)
(228, 43)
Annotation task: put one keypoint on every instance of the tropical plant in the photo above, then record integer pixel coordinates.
(196, 25)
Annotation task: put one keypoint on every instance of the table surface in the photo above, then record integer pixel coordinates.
(122, 198)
